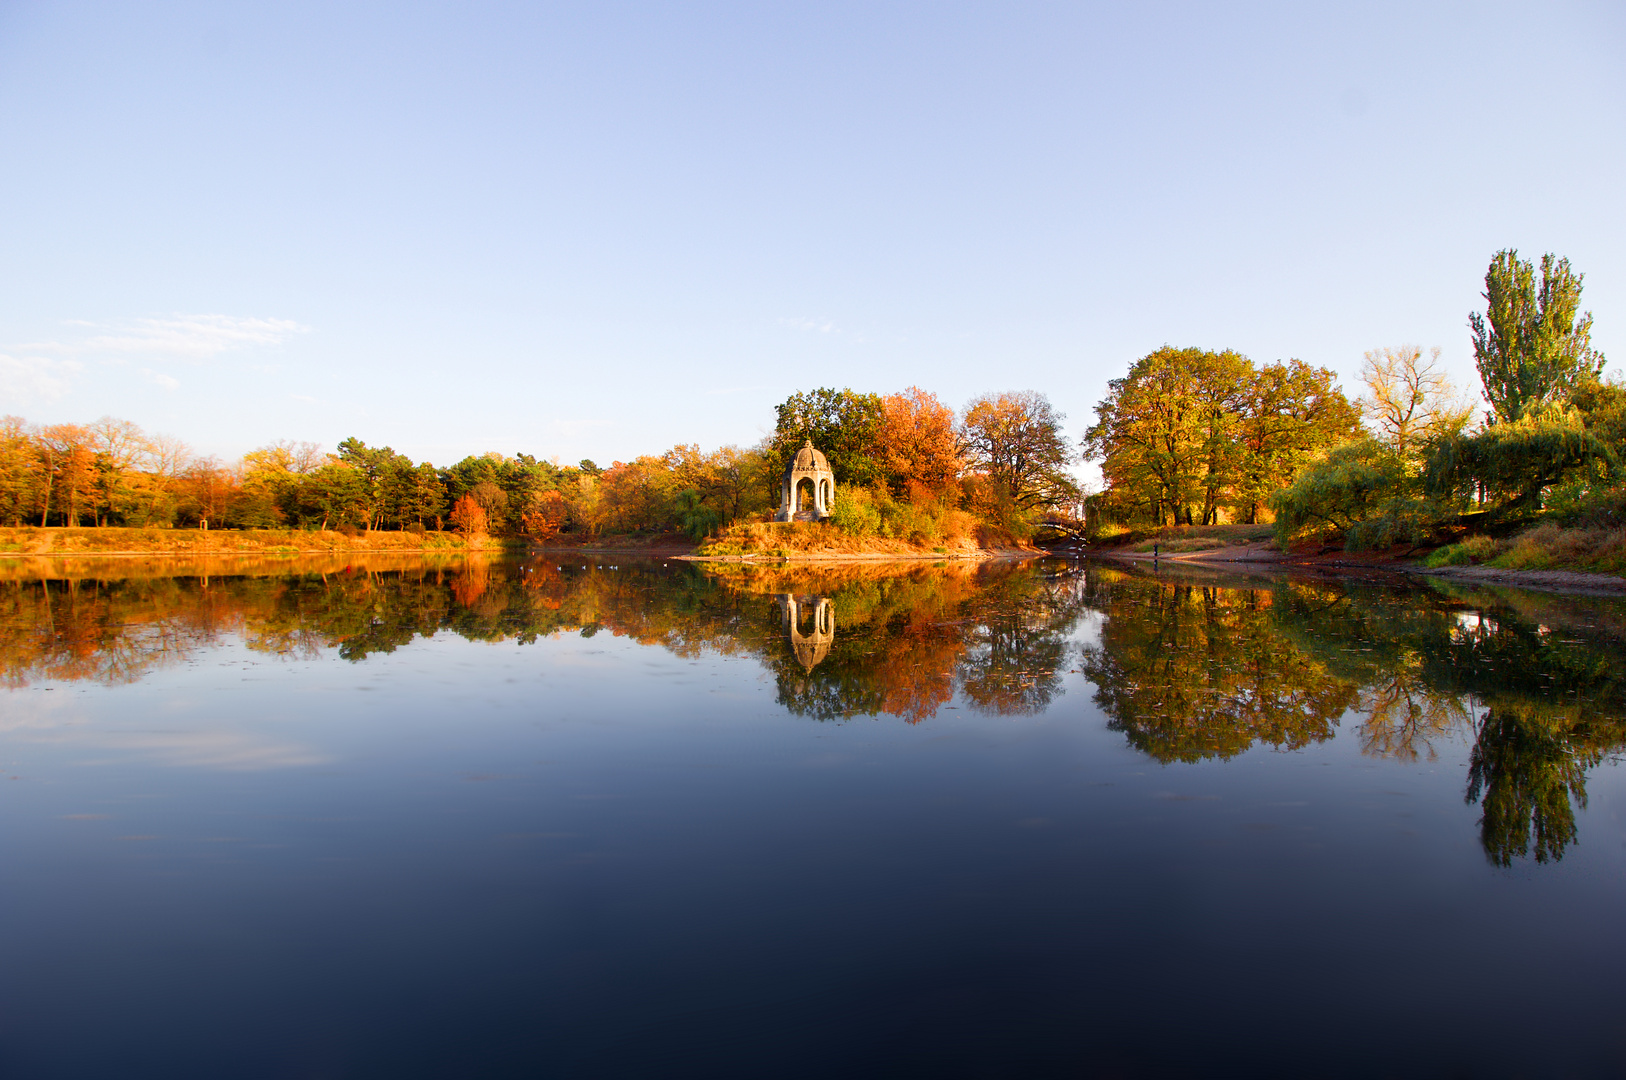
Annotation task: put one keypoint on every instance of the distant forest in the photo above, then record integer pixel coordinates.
(1186, 436)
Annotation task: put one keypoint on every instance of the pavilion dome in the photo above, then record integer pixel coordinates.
(811, 459)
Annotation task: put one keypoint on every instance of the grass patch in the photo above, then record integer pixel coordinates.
(1545, 547)
(1475, 549)
(121, 541)
(775, 539)
(1177, 538)
(1549, 547)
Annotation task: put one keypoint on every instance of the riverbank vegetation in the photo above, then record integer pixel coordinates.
(1198, 438)
(912, 474)
(114, 540)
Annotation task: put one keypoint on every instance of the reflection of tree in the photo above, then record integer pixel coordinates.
(1526, 777)
(103, 632)
(1189, 672)
(908, 641)
(1187, 666)
(1012, 667)
(910, 635)
(1190, 669)
(1405, 716)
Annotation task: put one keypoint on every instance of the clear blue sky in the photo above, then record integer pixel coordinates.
(597, 230)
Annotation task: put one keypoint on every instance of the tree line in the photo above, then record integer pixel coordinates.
(1191, 436)
(1002, 457)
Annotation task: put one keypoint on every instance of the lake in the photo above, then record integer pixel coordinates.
(591, 816)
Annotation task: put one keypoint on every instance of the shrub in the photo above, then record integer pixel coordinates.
(1549, 547)
(1475, 549)
(1361, 491)
(1588, 506)
(855, 512)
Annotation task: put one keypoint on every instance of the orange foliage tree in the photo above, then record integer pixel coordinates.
(469, 517)
(918, 443)
(545, 516)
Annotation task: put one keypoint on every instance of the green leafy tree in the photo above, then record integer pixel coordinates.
(1527, 779)
(1530, 346)
(424, 498)
(1287, 415)
(1362, 491)
(1165, 432)
(694, 517)
(844, 424)
(335, 494)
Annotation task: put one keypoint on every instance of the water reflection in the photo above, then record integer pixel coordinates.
(1188, 666)
(1534, 686)
(810, 627)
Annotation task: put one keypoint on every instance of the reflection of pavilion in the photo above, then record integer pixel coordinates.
(810, 624)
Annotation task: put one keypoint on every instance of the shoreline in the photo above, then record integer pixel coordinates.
(984, 555)
(1560, 581)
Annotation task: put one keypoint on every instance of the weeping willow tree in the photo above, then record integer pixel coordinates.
(1364, 491)
(1516, 462)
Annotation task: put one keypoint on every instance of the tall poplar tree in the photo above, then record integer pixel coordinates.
(1530, 346)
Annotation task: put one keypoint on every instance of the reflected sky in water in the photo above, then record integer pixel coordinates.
(575, 817)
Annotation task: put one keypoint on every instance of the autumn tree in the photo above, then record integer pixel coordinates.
(207, 491)
(1531, 346)
(1409, 399)
(1164, 432)
(1288, 414)
(469, 517)
(22, 478)
(493, 501)
(268, 480)
(121, 448)
(918, 444)
(71, 478)
(1188, 430)
(1016, 441)
(545, 515)
(167, 460)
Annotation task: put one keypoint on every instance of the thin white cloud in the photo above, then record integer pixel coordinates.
(28, 379)
(190, 337)
(45, 370)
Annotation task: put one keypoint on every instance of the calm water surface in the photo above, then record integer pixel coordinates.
(591, 817)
